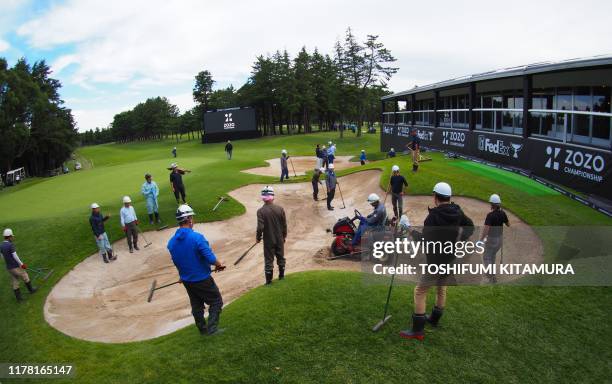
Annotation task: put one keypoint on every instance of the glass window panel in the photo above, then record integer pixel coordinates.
(487, 120)
(601, 127)
(497, 102)
(582, 99)
(601, 99)
(563, 99)
(581, 128)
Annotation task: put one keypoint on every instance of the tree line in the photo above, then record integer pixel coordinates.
(36, 130)
(311, 91)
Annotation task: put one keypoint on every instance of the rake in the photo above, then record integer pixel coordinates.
(144, 237)
(154, 288)
(221, 199)
(245, 253)
(44, 272)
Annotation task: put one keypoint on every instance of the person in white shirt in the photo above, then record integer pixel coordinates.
(129, 223)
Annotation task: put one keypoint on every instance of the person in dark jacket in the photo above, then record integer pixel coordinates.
(176, 182)
(316, 180)
(324, 162)
(228, 149)
(330, 183)
(415, 148)
(319, 156)
(284, 166)
(272, 228)
(397, 183)
(193, 257)
(391, 153)
(14, 266)
(96, 220)
(493, 233)
(446, 222)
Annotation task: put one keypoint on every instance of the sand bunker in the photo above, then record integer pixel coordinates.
(301, 164)
(108, 302)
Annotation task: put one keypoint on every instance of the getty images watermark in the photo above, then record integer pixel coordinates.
(520, 255)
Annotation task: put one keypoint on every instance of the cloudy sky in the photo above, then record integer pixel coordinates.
(112, 54)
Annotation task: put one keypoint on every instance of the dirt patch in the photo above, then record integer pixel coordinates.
(302, 164)
(108, 302)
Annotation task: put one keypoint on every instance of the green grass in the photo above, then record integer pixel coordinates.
(525, 184)
(315, 326)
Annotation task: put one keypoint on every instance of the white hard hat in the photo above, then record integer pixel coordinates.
(495, 199)
(395, 168)
(184, 211)
(373, 198)
(324, 147)
(321, 169)
(392, 149)
(284, 151)
(126, 199)
(95, 205)
(267, 191)
(443, 189)
(329, 143)
(173, 165)
(363, 150)
(330, 166)
(7, 232)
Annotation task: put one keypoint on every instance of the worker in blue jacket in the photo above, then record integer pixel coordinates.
(193, 257)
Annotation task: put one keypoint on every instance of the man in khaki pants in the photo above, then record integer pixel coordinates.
(16, 269)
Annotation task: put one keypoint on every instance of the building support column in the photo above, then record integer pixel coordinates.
(527, 104)
(435, 107)
(471, 106)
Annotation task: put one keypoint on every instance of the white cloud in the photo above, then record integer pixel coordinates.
(157, 47)
(4, 45)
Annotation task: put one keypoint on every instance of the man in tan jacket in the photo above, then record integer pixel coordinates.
(272, 228)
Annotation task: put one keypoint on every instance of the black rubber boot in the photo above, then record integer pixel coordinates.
(201, 323)
(281, 273)
(30, 287)
(111, 257)
(434, 318)
(213, 322)
(105, 258)
(150, 218)
(269, 276)
(157, 220)
(418, 325)
(136, 246)
(18, 295)
(415, 167)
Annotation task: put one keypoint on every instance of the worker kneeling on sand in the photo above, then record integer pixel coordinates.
(14, 266)
(272, 228)
(446, 222)
(375, 220)
(192, 256)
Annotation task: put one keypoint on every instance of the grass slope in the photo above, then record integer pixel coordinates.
(314, 327)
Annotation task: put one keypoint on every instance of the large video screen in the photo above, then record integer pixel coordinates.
(230, 120)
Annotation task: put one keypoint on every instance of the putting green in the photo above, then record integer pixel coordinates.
(523, 183)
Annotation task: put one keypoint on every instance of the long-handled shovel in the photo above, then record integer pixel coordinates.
(291, 161)
(221, 199)
(342, 197)
(386, 317)
(155, 288)
(244, 254)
